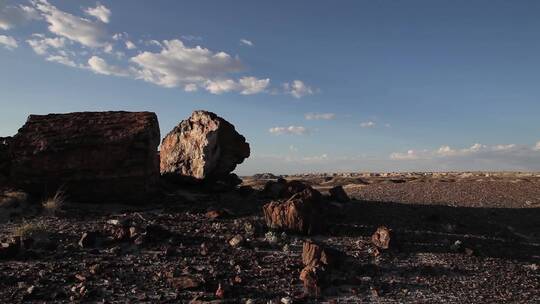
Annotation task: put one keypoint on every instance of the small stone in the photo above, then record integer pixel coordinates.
(220, 293)
(381, 238)
(286, 300)
(236, 241)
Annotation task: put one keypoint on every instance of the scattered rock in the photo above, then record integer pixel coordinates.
(302, 213)
(183, 282)
(319, 262)
(382, 237)
(94, 156)
(236, 241)
(338, 194)
(203, 147)
(216, 214)
(220, 293)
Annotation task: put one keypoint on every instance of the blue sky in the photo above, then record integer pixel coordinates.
(313, 85)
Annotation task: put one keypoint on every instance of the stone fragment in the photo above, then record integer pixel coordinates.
(88, 239)
(236, 241)
(302, 213)
(382, 237)
(202, 147)
(93, 156)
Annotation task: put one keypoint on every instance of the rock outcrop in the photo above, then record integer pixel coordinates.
(204, 147)
(92, 156)
(302, 213)
(5, 159)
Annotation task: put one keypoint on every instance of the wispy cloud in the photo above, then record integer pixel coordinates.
(293, 130)
(297, 89)
(320, 116)
(246, 42)
(367, 124)
(8, 42)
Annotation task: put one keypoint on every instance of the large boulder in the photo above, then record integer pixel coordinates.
(5, 159)
(204, 147)
(92, 156)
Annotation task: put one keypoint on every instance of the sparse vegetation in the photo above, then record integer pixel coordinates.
(55, 203)
(27, 230)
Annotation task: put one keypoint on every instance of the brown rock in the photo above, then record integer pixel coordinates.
(338, 194)
(93, 156)
(315, 254)
(184, 282)
(382, 237)
(5, 158)
(203, 147)
(302, 213)
(319, 261)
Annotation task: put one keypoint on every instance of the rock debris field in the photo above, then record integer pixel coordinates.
(91, 212)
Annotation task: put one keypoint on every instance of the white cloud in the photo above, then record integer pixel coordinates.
(40, 44)
(320, 116)
(446, 151)
(252, 85)
(537, 146)
(246, 42)
(12, 16)
(100, 66)
(8, 42)
(297, 89)
(130, 45)
(191, 87)
(177, 65)
(82, 30)
(294, 130)
(411, 154)
(100, 12)
(293, 148)
(62, 60)
(220, 86)
(367, 124)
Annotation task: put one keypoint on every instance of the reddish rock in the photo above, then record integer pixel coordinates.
(202, 147)
(381, 238)
(319, 261)
(283, 188)
(302, 213)
(338, 194)
(92, 156)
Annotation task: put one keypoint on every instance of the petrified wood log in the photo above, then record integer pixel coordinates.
(92, 156)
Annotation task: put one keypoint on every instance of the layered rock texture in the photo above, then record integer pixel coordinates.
(302, 213)
(92, 156)
(204, 147)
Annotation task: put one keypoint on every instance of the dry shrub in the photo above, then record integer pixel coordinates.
(55, 203)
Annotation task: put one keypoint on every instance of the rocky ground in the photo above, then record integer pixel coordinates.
(455, 238)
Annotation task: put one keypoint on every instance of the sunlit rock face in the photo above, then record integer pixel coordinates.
(202, 147)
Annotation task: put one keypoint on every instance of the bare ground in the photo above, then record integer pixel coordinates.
(495, 221)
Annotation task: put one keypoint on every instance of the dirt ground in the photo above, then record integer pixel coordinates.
(457, 238)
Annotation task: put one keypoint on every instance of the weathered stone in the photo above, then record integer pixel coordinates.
(302, 213)
(203, 147)
(337, 193)
(92, 156)
(319, 262)
(381, 238)
(283, 188)
(5, 159)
